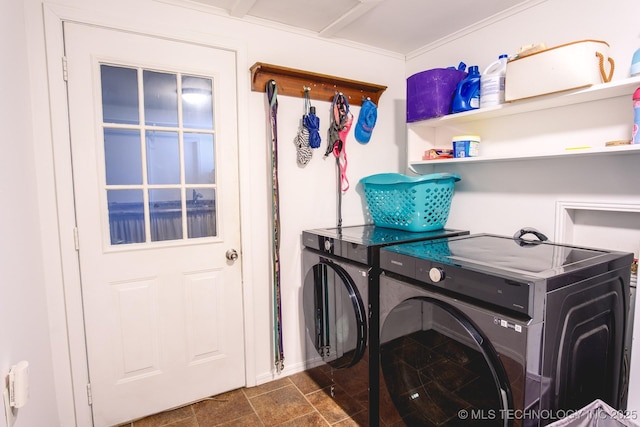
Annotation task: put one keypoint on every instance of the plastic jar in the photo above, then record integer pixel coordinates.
(466, 146)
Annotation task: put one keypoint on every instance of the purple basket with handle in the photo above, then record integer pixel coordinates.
(430, 93)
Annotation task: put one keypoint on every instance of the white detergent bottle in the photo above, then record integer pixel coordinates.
(492, 83)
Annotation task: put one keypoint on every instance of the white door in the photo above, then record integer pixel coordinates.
(157, 206)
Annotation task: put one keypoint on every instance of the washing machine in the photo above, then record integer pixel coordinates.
(501, 331)
(340, 268)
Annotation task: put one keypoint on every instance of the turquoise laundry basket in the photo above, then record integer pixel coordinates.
(409, 203)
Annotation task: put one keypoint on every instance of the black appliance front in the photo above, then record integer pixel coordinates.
(335, 301)
(340, 269)
(500, 331)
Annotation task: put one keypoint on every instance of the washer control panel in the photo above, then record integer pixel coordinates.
(495, 289)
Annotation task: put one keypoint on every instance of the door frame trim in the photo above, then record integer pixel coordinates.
(54, 178)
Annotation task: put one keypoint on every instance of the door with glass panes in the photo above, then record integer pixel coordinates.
(154, 149)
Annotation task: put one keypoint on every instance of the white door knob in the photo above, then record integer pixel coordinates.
(232, 255)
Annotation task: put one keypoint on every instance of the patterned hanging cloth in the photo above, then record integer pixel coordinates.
(272, 97)
(341, 120)
(301, 140)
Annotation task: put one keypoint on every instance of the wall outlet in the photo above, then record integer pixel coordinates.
(9, 412)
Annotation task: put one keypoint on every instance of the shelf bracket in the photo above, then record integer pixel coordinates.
(292, 82)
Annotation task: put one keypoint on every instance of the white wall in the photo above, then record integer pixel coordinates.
(24, 333)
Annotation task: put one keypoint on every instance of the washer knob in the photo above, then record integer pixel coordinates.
(436, 274)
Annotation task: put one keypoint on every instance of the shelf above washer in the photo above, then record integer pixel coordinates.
(433, 133)
(592, 93)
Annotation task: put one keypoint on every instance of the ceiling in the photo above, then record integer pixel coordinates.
(399, 26)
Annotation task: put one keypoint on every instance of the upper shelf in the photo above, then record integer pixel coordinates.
(292, 82)
(593, 93)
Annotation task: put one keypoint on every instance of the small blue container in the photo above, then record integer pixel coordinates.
(408, 203)
(465, 146)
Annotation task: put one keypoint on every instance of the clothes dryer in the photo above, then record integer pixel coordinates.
(340, 268)
(501, 331)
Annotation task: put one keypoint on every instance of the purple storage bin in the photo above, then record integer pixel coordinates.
(429, 93)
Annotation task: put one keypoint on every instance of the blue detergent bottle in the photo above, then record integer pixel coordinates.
(467, 95)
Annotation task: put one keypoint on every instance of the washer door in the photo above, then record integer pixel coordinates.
(335, 315)
(438, 369)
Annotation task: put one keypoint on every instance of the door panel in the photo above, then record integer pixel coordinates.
(156, 189)
(335, 313)
(436, 366)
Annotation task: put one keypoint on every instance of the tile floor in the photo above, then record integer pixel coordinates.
(452, 375)
(326, 397)
(302, 399)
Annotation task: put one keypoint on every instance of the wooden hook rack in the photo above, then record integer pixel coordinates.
(292, 82)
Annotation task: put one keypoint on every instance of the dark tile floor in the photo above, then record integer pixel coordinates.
(317, 397)
(448, 374)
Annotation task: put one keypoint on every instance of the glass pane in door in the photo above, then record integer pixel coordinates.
(165, 211)
(199, 158)
(197, 105)
(126, 216)
(201, 212)
(163, 157)
(122, 156)
(160, 99)
(119, 95)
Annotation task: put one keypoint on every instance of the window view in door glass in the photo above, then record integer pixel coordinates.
(163, 157)
(126, 216)
(201, 213)
(198, 158)
(160, 99)
(159, 174)
(122, 156)
(119, 95)
(165, 211)
(197, 106)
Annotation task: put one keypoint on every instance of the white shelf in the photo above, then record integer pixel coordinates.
(593, 93)
(578, 152)
(422, 135)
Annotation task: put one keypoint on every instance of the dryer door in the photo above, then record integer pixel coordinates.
(335, 314)
(438, 369)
